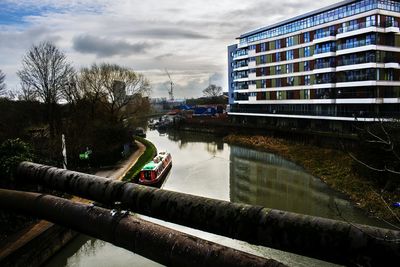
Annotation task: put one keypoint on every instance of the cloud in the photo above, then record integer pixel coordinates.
(164, 56)
(189, 38)
(170, 33)
(16, 38)
(104, 47)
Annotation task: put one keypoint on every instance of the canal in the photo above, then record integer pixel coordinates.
(206, 166)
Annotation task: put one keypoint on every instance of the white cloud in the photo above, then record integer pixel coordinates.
(189, 38)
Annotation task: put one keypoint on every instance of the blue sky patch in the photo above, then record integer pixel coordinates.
(14, 14)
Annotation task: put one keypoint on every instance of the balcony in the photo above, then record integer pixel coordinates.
(392, 27)
(357, 78)
(239, 66)
(358, 60)
(324, 65)
(240, 54)
(357, 26)
(324, 34)
(324, 50)
(239, 77)
(356, 44)
(242, 87)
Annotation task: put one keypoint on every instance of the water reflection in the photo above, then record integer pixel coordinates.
(212, 144)
(265, 179)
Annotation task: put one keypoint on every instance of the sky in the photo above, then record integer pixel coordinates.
(189, 38)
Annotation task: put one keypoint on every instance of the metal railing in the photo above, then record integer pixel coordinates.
(357, 26)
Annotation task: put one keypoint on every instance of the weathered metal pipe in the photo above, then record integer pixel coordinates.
(155, 242)
(320, 238)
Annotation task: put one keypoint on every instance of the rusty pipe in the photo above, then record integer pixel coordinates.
(315, 237)
(158, 243)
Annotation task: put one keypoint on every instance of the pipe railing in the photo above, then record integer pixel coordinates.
(155, 242)
(325, 239)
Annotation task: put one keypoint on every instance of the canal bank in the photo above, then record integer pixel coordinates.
(37, 243)
(332, 166)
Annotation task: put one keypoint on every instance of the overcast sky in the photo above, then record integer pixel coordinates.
(187, 37)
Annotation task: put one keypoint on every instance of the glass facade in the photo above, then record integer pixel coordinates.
(306, 67)
(324, 17)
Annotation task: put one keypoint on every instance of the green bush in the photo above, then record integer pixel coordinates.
(12, 152)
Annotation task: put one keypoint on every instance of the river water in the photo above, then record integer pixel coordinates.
(206, 166)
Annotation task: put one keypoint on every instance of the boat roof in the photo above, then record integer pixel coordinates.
(149, 166)
(152, 165)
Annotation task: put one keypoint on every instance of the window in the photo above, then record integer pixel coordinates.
(307, 94)
(307, 37)
(289, 55)
(370, 21)
(263, 47)
(307, 80)
(290, 81)
(289, 41)
(390, 21)
(277, 44)
(263, 83)
(306, 66)
(289, 68)
(278, 83)
(370, 39)
(307, 51)
(278, 56)
(278, 69)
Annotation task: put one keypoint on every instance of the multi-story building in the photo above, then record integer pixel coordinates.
(335, 64)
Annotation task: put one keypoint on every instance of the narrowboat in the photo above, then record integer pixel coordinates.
(156, 170)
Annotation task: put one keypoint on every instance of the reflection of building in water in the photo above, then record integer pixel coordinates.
(212, 144)
(268, 180)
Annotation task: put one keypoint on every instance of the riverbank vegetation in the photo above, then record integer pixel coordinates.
(91, 109)
(335, 167)
(148, 155)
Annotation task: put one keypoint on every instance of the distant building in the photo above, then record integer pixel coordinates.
(336, 64)
(164, 104)
(119, 90)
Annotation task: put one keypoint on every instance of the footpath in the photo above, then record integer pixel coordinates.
(38, 242)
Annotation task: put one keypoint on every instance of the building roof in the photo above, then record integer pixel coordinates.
(309, 14)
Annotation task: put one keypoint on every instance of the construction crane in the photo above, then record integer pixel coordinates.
(171, 90)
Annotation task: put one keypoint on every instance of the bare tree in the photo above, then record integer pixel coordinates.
(2, 83)
(27, 93)
(90, 84)
(113, 85)
(71, 91)
(212, 91)
(45, 69)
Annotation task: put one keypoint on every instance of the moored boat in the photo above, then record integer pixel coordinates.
(156, 170)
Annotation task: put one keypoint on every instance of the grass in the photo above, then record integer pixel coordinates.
(147, 156)
(334, 167)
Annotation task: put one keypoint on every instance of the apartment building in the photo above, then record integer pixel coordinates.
(335, 64)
